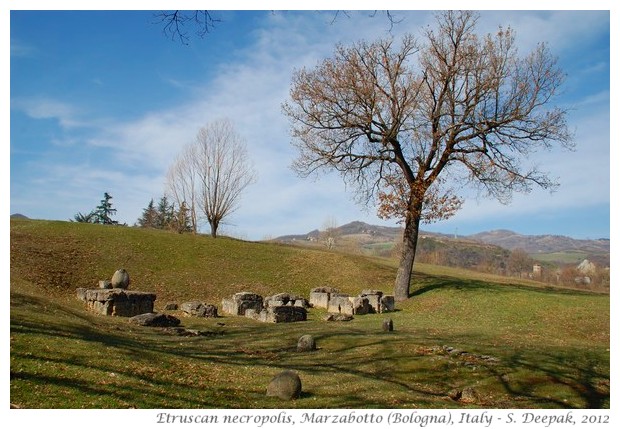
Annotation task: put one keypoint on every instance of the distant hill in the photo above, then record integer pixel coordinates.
(358, 228)
(539, 243)
(549, 248)
(554, 248)
(19, 216)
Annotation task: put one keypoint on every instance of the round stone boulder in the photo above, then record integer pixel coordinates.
(306, 343)
(286, 386)
(120, 279)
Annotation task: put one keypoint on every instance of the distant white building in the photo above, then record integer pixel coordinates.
(586, 267)
(537, 270)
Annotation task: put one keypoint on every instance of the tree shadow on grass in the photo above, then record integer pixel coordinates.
(547, 371)
(348, 352)
(424, 283)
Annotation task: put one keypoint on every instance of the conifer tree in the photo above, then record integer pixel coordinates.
(104, 211)
(165, 213)
(149, 216)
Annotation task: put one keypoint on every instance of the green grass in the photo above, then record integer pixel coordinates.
(549, 347)
(566, 257)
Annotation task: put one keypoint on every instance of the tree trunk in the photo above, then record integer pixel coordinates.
(214, 225)
(410, 243)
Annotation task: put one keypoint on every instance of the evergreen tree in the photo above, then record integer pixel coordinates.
(165, 213)
(104, 211)
(182, 219)
(149, 217)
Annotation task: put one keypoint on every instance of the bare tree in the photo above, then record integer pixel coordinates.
(211, 173)
(519, 262)
(181, 184)
(403, 122)
(330, 232)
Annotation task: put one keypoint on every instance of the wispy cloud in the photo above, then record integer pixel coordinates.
(66, 114)
(22, 49)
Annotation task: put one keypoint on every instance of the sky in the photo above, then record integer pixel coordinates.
(102, 101)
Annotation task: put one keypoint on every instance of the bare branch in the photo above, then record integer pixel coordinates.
(176, 23)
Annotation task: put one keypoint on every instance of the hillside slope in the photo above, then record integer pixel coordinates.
(62, 256)
(516, 345)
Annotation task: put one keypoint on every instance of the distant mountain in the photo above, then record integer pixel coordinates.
(298, 237)
(551, 248)
(19, 216)
(540, 243)
(349, 229)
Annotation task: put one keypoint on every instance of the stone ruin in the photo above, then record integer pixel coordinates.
(280, 308)
(369, 301)
(113, 299)
(199, 309)
(117, 302)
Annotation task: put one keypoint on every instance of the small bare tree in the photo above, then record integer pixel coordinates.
(329, 233)
(402, 123)
(181, 184)
(211, 173)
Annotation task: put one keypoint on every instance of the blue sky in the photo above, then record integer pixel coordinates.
(102, 101)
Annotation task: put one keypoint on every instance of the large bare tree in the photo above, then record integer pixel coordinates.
(211, 173)
(407, 122)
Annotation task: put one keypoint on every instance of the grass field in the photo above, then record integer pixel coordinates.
(517, 345)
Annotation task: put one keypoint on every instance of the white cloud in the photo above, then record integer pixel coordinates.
(46, 108)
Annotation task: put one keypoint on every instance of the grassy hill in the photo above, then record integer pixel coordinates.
(517, 345)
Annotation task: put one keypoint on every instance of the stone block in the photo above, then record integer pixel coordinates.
(319, 299)
(387, 303)
(241, 302)
(117, 302)
(281, 299)
(199, 309)
(374, 301)
(283, 314)
(229, 306)
(340, 304)
(359, 305)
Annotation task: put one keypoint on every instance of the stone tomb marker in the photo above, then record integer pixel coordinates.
(286, 386)
(306, 343)
(117, 302)
(241, 302)
(320, 296)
